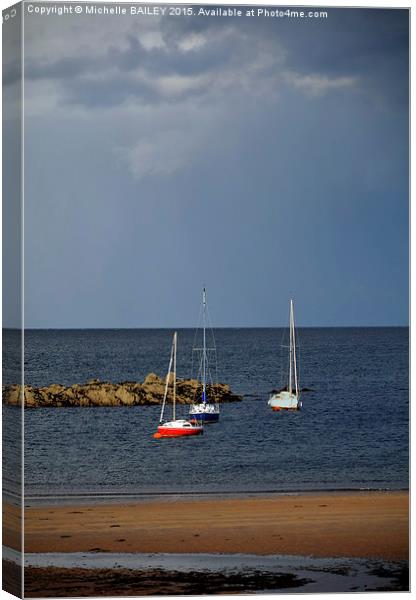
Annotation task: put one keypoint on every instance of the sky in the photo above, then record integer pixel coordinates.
(262, 158)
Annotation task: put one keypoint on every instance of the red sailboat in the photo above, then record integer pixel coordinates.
(176, 427)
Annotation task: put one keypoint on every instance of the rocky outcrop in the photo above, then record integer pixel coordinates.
(101, 393)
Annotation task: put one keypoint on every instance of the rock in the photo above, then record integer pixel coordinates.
(98, 396)
(126, 397)
(129, 393)
(151, 378)
(30, 401)
(55, 388)
(11, 395)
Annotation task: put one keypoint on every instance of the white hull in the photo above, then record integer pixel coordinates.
(204, 407)
(285, 400)
(178, 424)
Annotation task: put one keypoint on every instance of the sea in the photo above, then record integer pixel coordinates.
(351, 434)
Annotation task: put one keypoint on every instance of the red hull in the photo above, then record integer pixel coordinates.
(179, 432)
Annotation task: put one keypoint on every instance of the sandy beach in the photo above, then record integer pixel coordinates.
(359, 524)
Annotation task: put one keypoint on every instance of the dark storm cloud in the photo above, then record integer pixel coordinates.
(156, 60)
(349, 42)
(81, 85)
(370, 44)
(362, 45)
(134, 70)
(63, 69)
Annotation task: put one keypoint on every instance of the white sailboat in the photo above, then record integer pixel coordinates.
(176, 427)
(289, 398)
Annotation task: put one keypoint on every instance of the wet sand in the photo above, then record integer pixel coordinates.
(55, 582)
(356, 524)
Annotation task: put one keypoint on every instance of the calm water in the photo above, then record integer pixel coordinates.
(351, 433)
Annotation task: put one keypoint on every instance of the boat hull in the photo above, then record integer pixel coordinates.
(205, 417)
(178, 429)
(205, 412)
(284, 401)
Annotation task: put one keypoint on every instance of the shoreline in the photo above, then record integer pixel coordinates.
(345, 576)
(354, 524)
(117, 498)
(309, 578)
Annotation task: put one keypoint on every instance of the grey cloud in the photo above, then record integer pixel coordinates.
(105, 93)
(349, 48)
(170, 59)
(372, 45)
(61, 69)
(349, 45)
(228, 60)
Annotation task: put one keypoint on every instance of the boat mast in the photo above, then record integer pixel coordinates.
(204, 382)
(167, 381)
(174, 374)
(294, 350)
(290, 347)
